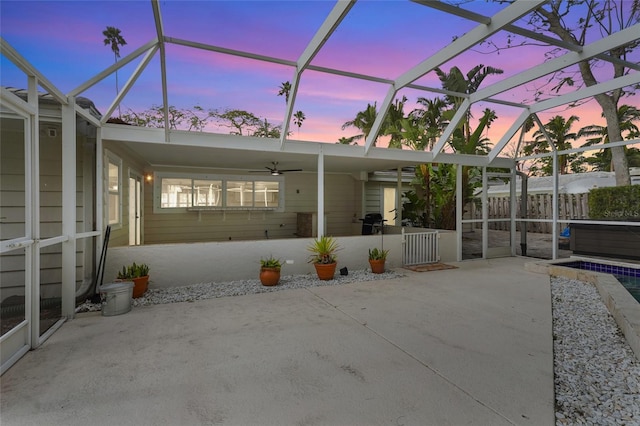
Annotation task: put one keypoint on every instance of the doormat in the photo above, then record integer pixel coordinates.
(430, 267)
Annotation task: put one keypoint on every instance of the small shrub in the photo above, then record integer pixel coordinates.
(376, 254)
(133, 271)
(271, 262)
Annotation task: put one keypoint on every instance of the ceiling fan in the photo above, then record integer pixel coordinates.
(274, 171)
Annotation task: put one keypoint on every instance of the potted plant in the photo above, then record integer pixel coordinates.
(270, 271)
(377, 259)
(323, 256)
(139, 274)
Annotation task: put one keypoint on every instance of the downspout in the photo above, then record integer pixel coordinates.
(321, 230)
(523, 212)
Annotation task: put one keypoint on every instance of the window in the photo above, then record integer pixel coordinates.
(207, 193)
(114, 184)
(220, 192)
(266, 194)
(239, 194)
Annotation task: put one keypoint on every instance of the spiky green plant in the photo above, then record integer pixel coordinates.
(323, 250)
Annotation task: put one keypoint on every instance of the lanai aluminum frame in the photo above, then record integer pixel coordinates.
(322, 156)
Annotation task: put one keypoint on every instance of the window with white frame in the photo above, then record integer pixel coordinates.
(114, 188)
(176, 192)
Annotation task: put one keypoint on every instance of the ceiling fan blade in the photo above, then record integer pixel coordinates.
(274, 170)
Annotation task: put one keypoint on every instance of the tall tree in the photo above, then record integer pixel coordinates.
(285, 90)
(577, 22)
(363, 122)
(346, 141)
(431, 118)
(238, 121)
(464, 140)
(559, 130)
(431, 121)
(391, 126)
(602, 160)
(113, 38)
(627, 115)
(188, 119)
(298, 118)
(393, 123)
(267, 130)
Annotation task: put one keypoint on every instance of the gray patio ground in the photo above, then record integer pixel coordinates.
(471, 345)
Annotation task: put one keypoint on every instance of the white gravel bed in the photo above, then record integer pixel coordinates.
(213, 290)
(597, 376)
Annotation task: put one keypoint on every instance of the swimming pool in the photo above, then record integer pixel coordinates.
(628, 276)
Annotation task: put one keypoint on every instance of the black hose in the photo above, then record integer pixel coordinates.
(93, 291)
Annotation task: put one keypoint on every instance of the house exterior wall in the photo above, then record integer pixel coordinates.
(301, 195)
(13, 206)
(343, 196)
(375, 195)
(120, 232)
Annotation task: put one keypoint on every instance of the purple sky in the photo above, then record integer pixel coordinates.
(63, 39)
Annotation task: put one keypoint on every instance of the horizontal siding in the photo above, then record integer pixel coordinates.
(12, 210)
(373, 197)
(12, 198)
(11, 182)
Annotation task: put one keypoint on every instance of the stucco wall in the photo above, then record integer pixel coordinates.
(174, 265)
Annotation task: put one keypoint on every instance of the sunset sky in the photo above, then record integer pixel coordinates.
(63, 40)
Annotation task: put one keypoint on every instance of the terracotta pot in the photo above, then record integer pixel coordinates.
(377, 266)
(325, 271)
(269, 276)
(140, 285)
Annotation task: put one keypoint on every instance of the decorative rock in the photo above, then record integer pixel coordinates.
(596, 372)
(212, 290)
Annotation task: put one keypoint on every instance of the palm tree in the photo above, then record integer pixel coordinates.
(627, 114)
(346, 141)
(431, 118)
(391, 126)
(393, 123)
(285, 89)
(559, 130)
(603, 160)
(113, 38)
(363, 122)
(455, 81)
(298, 118)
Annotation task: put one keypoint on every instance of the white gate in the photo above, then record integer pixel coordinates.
(420, 247)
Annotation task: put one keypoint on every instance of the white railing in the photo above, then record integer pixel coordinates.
(420, 247)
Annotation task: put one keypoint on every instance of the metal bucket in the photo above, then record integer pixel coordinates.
(116, 298)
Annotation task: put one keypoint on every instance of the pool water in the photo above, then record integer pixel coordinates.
(629, 277)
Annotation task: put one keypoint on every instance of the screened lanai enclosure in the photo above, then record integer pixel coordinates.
(248, 128)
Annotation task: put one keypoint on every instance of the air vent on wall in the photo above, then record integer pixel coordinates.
(52, 132)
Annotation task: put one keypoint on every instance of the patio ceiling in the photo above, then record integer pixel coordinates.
(303, 58)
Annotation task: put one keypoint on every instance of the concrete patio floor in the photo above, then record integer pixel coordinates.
(471, 345)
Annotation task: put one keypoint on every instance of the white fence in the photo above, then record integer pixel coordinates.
(420, 247)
